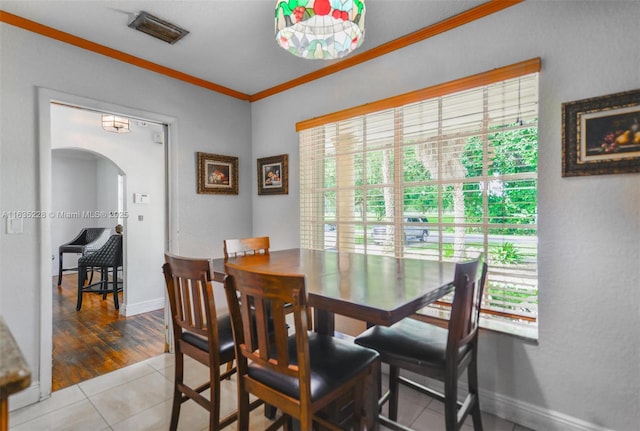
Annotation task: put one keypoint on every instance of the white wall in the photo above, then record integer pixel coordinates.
(584, 373)
(201, 121)
(142, 161)
(107, 191)
(69, 194)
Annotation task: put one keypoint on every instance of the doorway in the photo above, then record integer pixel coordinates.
(144, 221)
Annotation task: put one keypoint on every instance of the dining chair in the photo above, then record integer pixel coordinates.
(108, 258)
(302, 373)
(439, 353)
(244, 246)
(88, 240)
(199, 333)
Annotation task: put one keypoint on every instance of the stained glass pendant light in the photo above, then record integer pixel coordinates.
(320, 29)
(115, 124)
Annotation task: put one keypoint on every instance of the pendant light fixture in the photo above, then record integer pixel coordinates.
(320, 29)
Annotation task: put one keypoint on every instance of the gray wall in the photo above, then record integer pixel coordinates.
(202, 121)
(584, 373)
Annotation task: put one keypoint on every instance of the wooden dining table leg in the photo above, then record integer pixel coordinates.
(324, 321)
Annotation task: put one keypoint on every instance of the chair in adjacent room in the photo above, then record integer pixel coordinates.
(244, 246)
(108, 258)
(199, 333)
(300, 374)
(88, 240)
(437, 353)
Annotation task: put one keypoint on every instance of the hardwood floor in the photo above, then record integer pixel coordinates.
(96, 339)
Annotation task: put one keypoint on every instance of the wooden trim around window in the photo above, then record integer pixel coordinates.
(480, 79)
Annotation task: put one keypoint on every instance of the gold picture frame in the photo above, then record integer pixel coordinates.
(273, 175)
(601, 135)
(217, 174)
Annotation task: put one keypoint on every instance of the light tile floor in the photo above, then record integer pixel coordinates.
(139, 396)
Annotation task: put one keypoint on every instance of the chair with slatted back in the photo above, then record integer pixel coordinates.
(438, 353)
(198, 333)
(300, 374)
(244, 246)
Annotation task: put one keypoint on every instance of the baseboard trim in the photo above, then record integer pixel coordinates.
(142, 307)
(529, 415)
(532, 416)
(29, 396)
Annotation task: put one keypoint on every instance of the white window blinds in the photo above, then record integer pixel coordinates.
(442, 179)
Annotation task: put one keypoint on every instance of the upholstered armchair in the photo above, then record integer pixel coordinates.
(108, 257)
(88, 240)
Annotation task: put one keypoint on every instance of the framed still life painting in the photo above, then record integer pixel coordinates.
(273, 175)
(217, 174)
(601, 135)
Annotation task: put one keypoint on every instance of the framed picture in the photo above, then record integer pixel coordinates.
(601, 135)
(217, 174)
(273, 175)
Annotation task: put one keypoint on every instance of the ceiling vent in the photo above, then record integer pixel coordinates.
(158, 28)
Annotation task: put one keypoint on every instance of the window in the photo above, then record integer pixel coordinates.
(442, 174)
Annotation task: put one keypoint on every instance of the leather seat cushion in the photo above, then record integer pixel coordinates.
(409, 340)
(225, 335)
(333, 362)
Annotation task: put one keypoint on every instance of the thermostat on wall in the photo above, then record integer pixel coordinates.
(140, 198)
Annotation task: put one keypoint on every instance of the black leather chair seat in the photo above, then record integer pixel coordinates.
(225, 340)
(410, 341)
(333, 362)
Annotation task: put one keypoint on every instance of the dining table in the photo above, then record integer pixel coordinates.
(376, 289)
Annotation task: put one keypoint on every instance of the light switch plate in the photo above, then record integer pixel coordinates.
(15, 225)
(141, 198)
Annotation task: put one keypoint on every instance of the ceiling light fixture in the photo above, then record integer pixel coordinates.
(158, 28)
(115, 124)
(320, 29)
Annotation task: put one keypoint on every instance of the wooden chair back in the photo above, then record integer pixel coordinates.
(244, 246)
(469, 281)
(263, 301)
(198, 333)
(191, 298)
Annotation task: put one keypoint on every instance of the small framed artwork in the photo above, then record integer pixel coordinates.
(217, 174)
(273, 175)
(601, 135)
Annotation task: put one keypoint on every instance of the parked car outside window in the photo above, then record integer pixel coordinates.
(416, 231)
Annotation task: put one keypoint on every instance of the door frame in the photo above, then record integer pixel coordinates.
(45, 97)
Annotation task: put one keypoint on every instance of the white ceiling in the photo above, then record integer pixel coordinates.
(231, 43)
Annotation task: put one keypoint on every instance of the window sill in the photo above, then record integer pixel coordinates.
(528, 333)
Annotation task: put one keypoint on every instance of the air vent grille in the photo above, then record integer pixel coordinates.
(158, 28)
